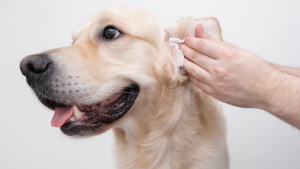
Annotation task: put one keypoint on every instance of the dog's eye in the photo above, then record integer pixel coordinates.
(111, 33)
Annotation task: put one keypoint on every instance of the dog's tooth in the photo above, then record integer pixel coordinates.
(93, 107)
(71, 118)
(77, 113)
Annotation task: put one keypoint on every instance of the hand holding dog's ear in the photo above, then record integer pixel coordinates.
(226, 72)
(241, 78)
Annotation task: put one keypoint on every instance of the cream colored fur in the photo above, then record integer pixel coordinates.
(172, 124)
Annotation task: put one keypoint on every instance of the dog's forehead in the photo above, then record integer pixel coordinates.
(130, 20)
(127, 15)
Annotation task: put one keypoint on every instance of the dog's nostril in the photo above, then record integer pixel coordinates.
(31, 68)
(38, 65)
(35, 64)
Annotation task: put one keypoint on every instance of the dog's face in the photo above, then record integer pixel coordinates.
(114, 66)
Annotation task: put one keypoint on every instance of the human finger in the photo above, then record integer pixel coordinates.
(200, 33)
(201, 85)
(197, 57)
(207, 47)
(196, 71)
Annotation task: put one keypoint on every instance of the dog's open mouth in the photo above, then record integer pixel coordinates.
(80, 120)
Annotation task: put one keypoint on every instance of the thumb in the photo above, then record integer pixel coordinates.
(200, 33)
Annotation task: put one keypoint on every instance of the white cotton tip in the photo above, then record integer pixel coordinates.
(174, 43)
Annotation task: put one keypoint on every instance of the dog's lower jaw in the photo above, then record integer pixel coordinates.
(186, 135)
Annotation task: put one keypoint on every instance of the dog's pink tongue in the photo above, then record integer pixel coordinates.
(61, 115)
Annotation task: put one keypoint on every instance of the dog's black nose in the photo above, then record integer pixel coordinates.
(35, 64)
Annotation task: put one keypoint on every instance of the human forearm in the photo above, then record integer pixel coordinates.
(283, 100)
(288, 70)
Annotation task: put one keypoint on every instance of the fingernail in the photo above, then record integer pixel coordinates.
(186, 41)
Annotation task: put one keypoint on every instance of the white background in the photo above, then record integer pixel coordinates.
(256, 139)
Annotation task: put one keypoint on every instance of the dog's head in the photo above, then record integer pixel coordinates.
(115, 66)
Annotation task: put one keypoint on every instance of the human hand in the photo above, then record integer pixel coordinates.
(228, 73)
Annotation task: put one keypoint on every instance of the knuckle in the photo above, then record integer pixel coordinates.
(208, 37)
(194, 71)
(220, 86)
(220, 72)
(228, 54)
(193, 56)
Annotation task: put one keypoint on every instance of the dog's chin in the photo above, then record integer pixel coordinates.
(94, 119)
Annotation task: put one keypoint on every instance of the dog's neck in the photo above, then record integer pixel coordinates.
(167, 133)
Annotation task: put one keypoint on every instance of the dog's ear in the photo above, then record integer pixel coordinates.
(186, 27)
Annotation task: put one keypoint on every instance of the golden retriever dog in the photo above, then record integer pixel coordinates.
(121, 73)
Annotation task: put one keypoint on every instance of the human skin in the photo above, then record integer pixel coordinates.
(241, 78)
(288, 70)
